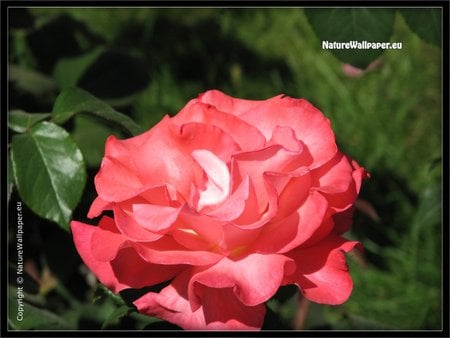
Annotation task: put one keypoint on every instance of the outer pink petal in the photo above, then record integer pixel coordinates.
(221, 310)
(116, 182)
(132, 270)
(342, 201)
(339, 180)
(228, 104)
(232, 314)
(82, 236)
(343, 220)
(359, 174)
(323, 231)
(98, 206)
(335, 176)
(310, 125)
(107, 240)
(245, 135)
(172, 304)
(254, 278)
(126, 270)
(322, 272)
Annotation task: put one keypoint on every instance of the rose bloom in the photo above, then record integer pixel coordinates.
(225, 202)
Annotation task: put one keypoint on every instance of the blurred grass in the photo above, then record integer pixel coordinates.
(388, 119)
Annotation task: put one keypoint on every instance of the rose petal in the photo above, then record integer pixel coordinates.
(232, 314)
(98, 206)
(233, 206)
(132, 270)
(254, 164)
(168, 251)
(310, 125)
(228, 104)
(359, 174)
(290, 232)
(343, 220)
(172, 304)
(339, 181)
(237, 241)
(158, 195)
(155, 218)
(285, 137)
(246, 136)
(116, 182)
(82, 236)
(293, 188)
(335, 176)
(325, 229)
(322, 272)
(197, 231)
(193, 240)
(106, 240)
(130, 228)
(254, 278)
(251, 217)
(193, 136)
(218, 184)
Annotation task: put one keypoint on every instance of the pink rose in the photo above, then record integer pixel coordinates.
(230, 199)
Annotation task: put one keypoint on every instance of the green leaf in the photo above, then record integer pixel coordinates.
(91, 135)
(21, 121)
(425, 22)
(102, 291)
(116, 316)
(68, 71)
(24, 316)
(75, 100)
(353, 24)
(143, 321)
(49, 171)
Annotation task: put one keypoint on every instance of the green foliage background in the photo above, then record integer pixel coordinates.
(136, 65)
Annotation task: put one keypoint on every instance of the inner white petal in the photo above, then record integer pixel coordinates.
(218, 184)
